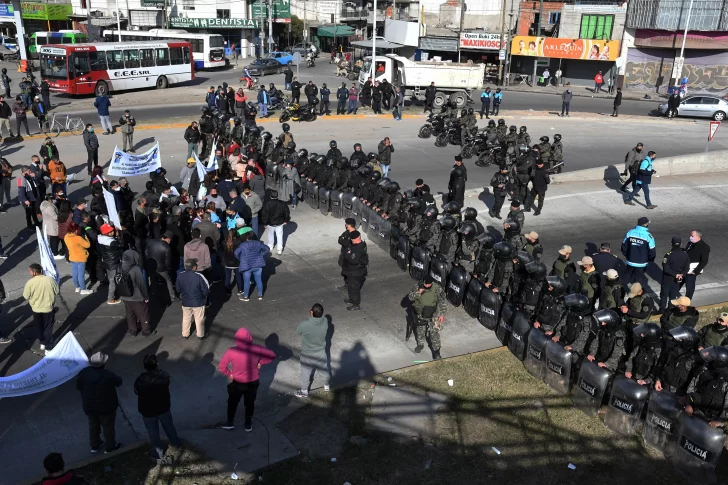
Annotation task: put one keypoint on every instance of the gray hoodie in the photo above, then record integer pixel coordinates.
(130, 263)
(566, 96)
(314, 332)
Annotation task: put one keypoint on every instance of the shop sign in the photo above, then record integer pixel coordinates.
(42, 11)
(481, 41)
(585, 49)
(212, 23)
(281, 11)
(6, 10)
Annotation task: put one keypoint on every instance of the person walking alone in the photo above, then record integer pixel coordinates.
(540, 180)
(127, 123)
(274, 215)
(313, 332)
(102, 105)
(430, 93)
(566, 102)
(385, 149)
(397, 104)
(41, 292)
(617, 102)
(598, 82)
(354, 269)
(632, 162)
(241, 365)
(97, 386)
(644, 178)
(91, 142)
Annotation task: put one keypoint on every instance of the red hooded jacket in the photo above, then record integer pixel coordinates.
(243, 359)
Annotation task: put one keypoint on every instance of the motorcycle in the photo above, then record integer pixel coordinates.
(451, 135)
(434, 125)
(249, 81)
(296, 112)
(309, 60)
(490, 156)
(474, 145)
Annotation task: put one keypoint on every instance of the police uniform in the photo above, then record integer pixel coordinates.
(708, 392)
(355, 270)
(608, 347)
(428, 306)
(675, 262)
(517, 215)
(644, 360)
(499, 182)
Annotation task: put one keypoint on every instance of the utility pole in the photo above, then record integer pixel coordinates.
(166, 15)
(538, 34)
(373, 67)
(304, 34)
(22, 48)
(463, 8)
(503, 28)
(509, 52)
(678, 64)
(270, 26)
(88, 19)
(262, 28)
(118, 19)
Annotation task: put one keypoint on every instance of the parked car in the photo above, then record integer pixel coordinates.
(302, 48)
(283, 58)
(261, 67)
(700, 106)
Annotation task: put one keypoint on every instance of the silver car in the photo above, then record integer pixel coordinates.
(700, 106)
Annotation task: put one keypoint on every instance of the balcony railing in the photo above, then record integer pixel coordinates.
(352, 14)
(706, 15)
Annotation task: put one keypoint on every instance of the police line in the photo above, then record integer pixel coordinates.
(689, 442)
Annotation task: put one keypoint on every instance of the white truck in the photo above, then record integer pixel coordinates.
(454, 81)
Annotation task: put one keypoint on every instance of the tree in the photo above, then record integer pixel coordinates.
(296, 29)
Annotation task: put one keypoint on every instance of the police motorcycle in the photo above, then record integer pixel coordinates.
(296, 112)
(450, 135)
(310, 55)
(434, 125)
(474, 145)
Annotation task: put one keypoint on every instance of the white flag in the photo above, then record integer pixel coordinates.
(47, 262)
(111, 208)
(202, 170)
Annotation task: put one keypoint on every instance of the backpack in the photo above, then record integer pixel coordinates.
(124, 285)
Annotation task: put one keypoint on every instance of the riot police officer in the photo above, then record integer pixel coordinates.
(471, 214)
(544, 148)
(333, 152)
(715, 333)
(429, 235)
(467, 251)
(318, 176)
(639, 306)
(354, 269)
(332, 173)
(500, 274)
(369, 188)
(613, 293)
(238, 133)
(523, 137)
(302, 162)
(588, 280)
(429, 306)
(511, 138)
(516, 214)
(502, 131)
(344, 174)
(449, 239)
(679, 359)
(519, 271)
(551, 307)
(286, 137)
(642, 364)
(708, 392)
(267, 146)
(564, 267)
(499, 182)
(413, 222)
(574, 328)
(358, 155)
(524, 167)
(380, 194)
(557, 154)
(607, 347)
(680, 315)
(485, 257)
(533, 245)
(530, 292)
(491, 133)
(456, 185)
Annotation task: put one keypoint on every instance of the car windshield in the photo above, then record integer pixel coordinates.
(258, 62)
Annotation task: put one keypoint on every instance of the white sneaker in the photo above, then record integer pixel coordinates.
(86, 292)
(58, 256)
(280, 251)
(327, 388)
(78, 290)
(42, 347)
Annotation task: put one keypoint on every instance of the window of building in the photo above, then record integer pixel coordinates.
(554, 17)
(223, 13)
(598, 27)
(188, 4)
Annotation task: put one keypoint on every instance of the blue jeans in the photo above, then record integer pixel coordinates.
(254, 225)
(230, 273)
(295, 199)
(646, 189)
(352, 106)
(152, 425)
(257, 273)
(397, 112)
(78, 273)
(385, 170)
(287, 86)
(263, 109)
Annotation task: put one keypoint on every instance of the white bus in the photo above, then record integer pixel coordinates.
(207, 49)
(105, 67)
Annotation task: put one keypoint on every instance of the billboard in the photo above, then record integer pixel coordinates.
(281, 11)
(41, 11)
(585, 49)
(481, 41)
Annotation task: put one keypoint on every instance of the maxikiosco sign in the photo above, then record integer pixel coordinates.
(481, 41)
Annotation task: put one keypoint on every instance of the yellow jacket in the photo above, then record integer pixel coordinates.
(57, 172)
(77, 246)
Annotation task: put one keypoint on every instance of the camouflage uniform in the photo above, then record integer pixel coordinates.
(518, 216)
(500, 276)
(467, 253)
(425, 327)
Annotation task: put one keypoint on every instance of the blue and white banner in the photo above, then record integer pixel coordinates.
(111, 208)
(126, 164)
(47, 262)
(202, 170)
(60, 364)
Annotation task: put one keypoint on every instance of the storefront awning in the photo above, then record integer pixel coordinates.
(381, 44)
(335, 31)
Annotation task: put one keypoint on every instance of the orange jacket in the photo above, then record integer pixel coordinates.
(57, 172)
(77, 248)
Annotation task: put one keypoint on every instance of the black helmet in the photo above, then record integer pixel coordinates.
(687, 336)
(501, 122)
(557, 283)
(557, 137)
(415, 204)
(255, 131)
(383, 182)
(291, 145)
(470, 111)
(237, 120)
(375, 176)
(398, 198)
(354, 163)
(522, 129)
(371, 155)
(5, 71)
(251, 106)
(463, 112)
(448, 223)
(343, 160)
(607, 318)
(330, 162)
(544, 139)
(513, 225)
(648, 333)
(313, 156)
(715, 355)
(468, 229)
(332, 144)
(431, 213)
(302, 153)
(205, 109)
(451, 208)
(578, 303)
(512, 128)
(392, 187)
(486, 240)
(286, 127)
(536, 269)
(267, 135)
(357, 145)
(321, 159)
(408, 194)
(470, 214)
(503, 251)
(491, 123)
(363, 171)
(459, 172)
(523, 257)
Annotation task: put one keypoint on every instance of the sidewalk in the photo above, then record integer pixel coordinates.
(586, 92)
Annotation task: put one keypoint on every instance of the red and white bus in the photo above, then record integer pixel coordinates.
(106, 67)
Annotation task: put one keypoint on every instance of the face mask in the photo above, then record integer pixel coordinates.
(90, 130)
(720, 328)
(693, 240)
(117, 189)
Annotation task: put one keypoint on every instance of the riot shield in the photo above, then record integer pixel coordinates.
(271, 176)
(558, 367)
(503, 331)
(393, 240)
(520, 329)
(662, 424)
(356, 210)
(626, 403)
(590, 387)
(347, 206)
(366, 214)
(403, 252)
(698, 449)
(420, 263)
(489, 308)
(304, 191)
(373, 226)
(313, 200)
(456, 284)
(337, 203)
(535, 361)
(385, 229)
(438, 271)
(324, 197)
(471, 302)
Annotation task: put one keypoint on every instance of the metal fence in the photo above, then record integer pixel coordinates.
(673, 14)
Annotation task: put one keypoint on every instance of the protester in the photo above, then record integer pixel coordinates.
(159, 263)
(313, 358)
(97, 386)
(251, 254)
(111, 251)
(132, 288)
(274, 215)
(77, 245)
(41, 291)
(91, 142)
(241, 365)
(102, 105)
(55, 467)
(40, 111)
(127, 123)
(194, 290)
(21, 117)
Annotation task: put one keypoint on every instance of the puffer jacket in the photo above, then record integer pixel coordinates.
(251, 255)
(152, 387)
(111, 252)
(50, 217)
(98, 390)
(159, 255)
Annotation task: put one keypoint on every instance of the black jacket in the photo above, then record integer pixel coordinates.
(677, 262)
(192, 135)
(274, 213)
(110, 253)
(430, 93)
(618, 98)
(152, 387)
(288, 73)
(296, 88)
(5, 111)
(541, 179)
(98, 390)
(310, 90)
(698, 253)
(159, 255)
(355, 260)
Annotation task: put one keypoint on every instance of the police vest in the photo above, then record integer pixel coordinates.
(425, 305)
(530, 292)
(676, 319)
(448, 241)
(426, 232)
(712, 389)
(550, 310)
(712, 338)
(635, 304)
(679, 363)
(586, 280)
(484, 261)
(559, 268)
(644, 361)
(574, 325)
(607, 340)
(608, 298)
(531, 248)
(499, 272)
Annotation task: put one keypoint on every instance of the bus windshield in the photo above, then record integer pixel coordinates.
(53, 67)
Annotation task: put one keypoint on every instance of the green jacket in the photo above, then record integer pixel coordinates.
(41, 291)
(313, 332)
(419, 301)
